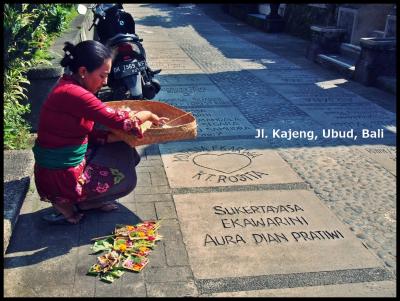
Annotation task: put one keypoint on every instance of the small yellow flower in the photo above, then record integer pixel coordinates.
(143, 249)
(122, 247)
(141, 234)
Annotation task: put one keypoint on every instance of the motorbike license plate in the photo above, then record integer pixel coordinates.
(125, 69)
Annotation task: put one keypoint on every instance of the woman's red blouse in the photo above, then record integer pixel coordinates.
(67, 119)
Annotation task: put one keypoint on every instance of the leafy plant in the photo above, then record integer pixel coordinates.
(16, 129)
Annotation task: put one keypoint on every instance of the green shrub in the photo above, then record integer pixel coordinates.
(16, 129)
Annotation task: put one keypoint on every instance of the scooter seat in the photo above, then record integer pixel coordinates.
(123, 37)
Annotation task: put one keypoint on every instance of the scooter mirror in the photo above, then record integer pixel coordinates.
(82, 9)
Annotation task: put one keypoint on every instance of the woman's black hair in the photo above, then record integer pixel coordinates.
(90, 54)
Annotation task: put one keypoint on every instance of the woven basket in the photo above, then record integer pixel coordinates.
(180, 129)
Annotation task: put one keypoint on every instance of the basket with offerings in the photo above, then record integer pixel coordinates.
(181, 125)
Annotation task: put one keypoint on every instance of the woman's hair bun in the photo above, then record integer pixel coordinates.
(69, 54)
(89, 54)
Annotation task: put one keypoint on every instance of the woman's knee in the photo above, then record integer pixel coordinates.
(131, 184)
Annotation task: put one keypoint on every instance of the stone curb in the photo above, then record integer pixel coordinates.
(18, 169)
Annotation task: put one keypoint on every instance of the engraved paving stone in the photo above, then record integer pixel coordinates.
(193, 96)
(292, 76)
(170, 54)
(175, 64)
(183, 79)
(384, 155)
(311, 94)
(253, 233)
(369, 119)
(238, 53)
(350, 112)
(181, 72)
(160, 46)
(224, 163)
(221, 122)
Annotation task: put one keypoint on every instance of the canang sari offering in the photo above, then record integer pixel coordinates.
(127, 249)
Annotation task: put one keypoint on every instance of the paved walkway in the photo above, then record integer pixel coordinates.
(235, 80)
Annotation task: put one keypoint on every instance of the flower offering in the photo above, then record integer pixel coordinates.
(127, 249)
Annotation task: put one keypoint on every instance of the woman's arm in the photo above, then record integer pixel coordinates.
(113, 138)
(149, 116)
(85, 104)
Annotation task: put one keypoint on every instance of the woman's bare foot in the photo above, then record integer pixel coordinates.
(103, 206)
(67, 210)
(74, 219)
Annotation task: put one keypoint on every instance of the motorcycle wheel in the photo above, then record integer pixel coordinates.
(149, 91)
(156, 84)
(119, 93)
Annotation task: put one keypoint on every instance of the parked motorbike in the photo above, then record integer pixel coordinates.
(130, 71)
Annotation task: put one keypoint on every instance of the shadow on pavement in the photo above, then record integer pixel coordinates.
(38, 241)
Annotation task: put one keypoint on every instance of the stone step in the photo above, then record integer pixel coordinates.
(350, 51)
(387, 83)
(256, 20)
(338, 63)
(378, 34)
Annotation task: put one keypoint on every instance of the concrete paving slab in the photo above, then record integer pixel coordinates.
(174, 64)
(17, 164)
(313, 94)
(183, 79)
(384, 155)
(166, 54)
(365, 289)
(271, 110)
(182, 72)
(249, 47)
(277, 63)
(159, 45)
(221, 122)
(231, 234)
(158, 35)
(224, 163)
(193, 96)
(355, 111)
(174, 289)
(232, 52)
(292, 76)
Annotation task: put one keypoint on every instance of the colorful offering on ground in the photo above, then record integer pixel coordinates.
(127, 249)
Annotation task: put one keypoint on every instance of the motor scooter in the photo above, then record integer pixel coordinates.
(130, 77)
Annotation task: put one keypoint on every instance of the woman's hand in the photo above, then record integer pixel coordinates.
(158, 121)
(149, 116)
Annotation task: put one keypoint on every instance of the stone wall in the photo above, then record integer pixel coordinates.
(299, 17)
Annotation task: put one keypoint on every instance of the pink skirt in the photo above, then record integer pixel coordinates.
(106, 173)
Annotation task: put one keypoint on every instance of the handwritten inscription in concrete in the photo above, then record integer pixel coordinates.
(224, 163)
(384, 155)
(193, 96)
(238, 234)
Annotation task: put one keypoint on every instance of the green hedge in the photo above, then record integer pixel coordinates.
(29, 30)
